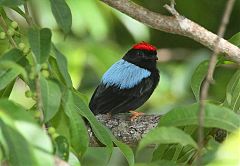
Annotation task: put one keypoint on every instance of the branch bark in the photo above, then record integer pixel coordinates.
(176, 25)
(125, 130)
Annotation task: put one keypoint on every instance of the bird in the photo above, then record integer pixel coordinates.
(128, 83)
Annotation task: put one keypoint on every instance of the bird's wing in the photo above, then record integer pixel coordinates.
(112, 99)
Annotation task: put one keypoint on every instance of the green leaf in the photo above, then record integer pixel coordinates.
(9, 71)
(15, 55)
(99, 129)
(73, 160)
(26, 134)
(228, 152)
(62, 147)
(78, 130)
(11, 3)
(158, 163)
(159, 152)
(215, 116)
(34, 135)
(5, 93)
(198, 77)
(61, 123)
(12, 55)
(62, 14)
(232, 99)
(62, 66)
(166, 135)
(39, 140)
(19, 11)
(211, 149)
(235, 39)
(14, 111)
(40, 42)
(20, 153)
(126, 150)
(51, 98)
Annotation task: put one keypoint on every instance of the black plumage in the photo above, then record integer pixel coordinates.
(119, 97)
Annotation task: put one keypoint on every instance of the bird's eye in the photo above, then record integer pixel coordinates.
(141, 54)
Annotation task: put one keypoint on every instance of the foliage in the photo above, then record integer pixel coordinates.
(57, 107)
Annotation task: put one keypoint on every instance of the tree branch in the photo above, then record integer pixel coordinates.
(172, 24)
(125, 130)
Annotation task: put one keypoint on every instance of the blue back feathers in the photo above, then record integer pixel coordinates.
(124, 75)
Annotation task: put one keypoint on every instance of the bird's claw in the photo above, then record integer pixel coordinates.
(135, 114)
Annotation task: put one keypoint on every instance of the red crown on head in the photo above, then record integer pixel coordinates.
(144, 46)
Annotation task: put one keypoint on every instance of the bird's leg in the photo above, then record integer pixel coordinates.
(135, 114)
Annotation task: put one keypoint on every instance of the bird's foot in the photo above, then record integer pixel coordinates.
(135, 114)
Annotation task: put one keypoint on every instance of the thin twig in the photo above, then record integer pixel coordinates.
(37, 79)
(39, 99)
(209, 78)
(184, 27)
(4, 26)
(172, 9)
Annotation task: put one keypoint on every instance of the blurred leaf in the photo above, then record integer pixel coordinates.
(12, 55)
(138, 30)
(5, 93)
(99, 129)
(211, 149)
(40, 42)
(62, 66)
(159, 151)
(166, 135)
(14, 111)
(181, 154)
(198, 77)
(20, 153)
(187, 154)
(126, 150)
(73, 160)
(215, 116)
(235, 39)
(82, 25)
(62, 147)
(78, 131)
(233, 92)
(51, 98)
(26, 136)
(61, 123)
(228, 153)
(158, 163)
(16, 56)
(19, 11)
(9, 71)
(11, 3)
(62, 14)
(35, 136)
(39, 140)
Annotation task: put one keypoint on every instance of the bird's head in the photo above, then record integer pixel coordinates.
(142, 54)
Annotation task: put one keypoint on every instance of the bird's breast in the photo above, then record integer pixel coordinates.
(124, 75)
